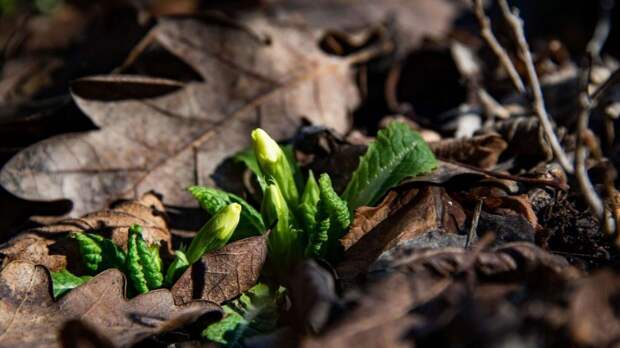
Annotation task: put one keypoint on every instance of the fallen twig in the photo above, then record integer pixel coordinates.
(594, 201)
(516, 25)
(500, 52)
(601, 32)
(585, 185)
(471, 236)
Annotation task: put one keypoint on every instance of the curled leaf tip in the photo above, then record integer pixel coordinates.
(135, 228)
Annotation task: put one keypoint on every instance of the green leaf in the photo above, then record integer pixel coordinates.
(112, 255)
(134, 265)
(90, 250)
(308, 206)
(151, 263)
(248, 158)
(212, 200)
(283, 240)
(397, 153)
(333, 218)
(176, 268)
(99, 253)
(330, 204)
(63, 281)
(255, 312)
(318, 237)
(289, 152)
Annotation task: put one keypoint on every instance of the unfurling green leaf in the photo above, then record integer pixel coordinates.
(91, 252)
(112, 255)
(318, 237)
(134, 265)
(176, 268)
(309, 200)
(333, 218)
(151, 263)
(99, 253)
(142, 263)
(248, 158)
(274, 164)
(215, 233)
(63, 281)
(397, 153)
(255, 312)
(332, 205)
(212, 200)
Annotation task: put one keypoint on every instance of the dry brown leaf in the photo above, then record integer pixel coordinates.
(481, 151)
(29, 317)
(385, 314)
(430, 210)
(312, 291)
(77, 334)
(594, 318)
(223, 274)
(411, 20)
(162, 134)
(515, 204)
(365, 326)
(367, 218)
(48, 245)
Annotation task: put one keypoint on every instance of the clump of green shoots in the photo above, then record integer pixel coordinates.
(141, 262)
(309, 224)
(307, 218)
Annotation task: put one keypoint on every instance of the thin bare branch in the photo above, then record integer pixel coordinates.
(601, 32)
(584, 136)
(472, 235)
(602, 91)
(500, 52)
(516, 25)
(585, 185)
(596, 204)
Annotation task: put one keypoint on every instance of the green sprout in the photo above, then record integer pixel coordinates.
(98, 253)
(212, 236)
(283, 236)
(275, 165)
(143, 263)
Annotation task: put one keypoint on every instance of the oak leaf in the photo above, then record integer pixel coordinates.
(223, 274)
(29, 317)
(48, 245)
(166, 135)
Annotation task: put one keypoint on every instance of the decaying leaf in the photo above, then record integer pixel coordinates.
(312, 291)
(430, 210)
(481, 151)
(365, 326)
(223, 274)
(415, 20)
(164, 134)
(30, 318)
(50, 247)
(425, 285)
(593, 316)
(77, 334)
(366, 218)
